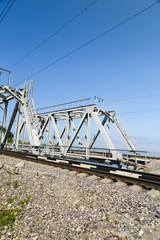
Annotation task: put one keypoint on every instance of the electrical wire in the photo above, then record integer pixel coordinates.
(7, 11)
(133, 98)
(53, 34)
(5, 8)
(91, 41)
(141, 111)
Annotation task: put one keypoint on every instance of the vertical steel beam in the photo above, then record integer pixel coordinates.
(54, 135)
(108, 128)
(87, 135)
(10, 124)
(24, 130)
(67, 132)
(57, 133)
(76, 133)
(17, 132)
(49, 130)
(2, 132)
(30, 130)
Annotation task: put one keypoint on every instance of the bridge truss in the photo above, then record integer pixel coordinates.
(62, 130)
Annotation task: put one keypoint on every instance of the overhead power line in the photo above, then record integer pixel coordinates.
(133, 98)
(90, 41)
(93, 39)
(7, 10)
(53, 34)
(141, 111)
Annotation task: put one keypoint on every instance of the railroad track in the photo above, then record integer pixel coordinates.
(146, 180)
(142, 157)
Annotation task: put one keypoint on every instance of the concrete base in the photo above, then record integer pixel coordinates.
(120, 184)
(106, 180)
(154, 193)
(73, 173)
(93, 177)
(136, 188)
(82, 175)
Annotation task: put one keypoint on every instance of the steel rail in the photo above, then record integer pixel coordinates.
(147, 180)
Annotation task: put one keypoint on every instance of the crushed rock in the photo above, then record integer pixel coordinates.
(63, 206)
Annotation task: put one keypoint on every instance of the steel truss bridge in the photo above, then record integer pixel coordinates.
(59, 131)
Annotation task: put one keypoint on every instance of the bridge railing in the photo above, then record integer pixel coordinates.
(74, 104)
(99, 102)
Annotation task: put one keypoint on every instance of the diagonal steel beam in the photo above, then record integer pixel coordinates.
(17, 133)
(78, 138)
(2, 132)
(13, 94)
(21, 127)
(57, 133)
(43, 128)
(76, 132)
(102, 130)
(3, 97)
(98, 132)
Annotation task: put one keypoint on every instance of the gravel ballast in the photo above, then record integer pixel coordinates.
(62, 205)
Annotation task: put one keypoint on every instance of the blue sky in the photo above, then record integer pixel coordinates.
(121, 67)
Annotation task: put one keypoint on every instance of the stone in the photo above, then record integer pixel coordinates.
(8, 168)
(64, 170)
(78, 229)
(26, 171)
(16, 171)
(20, 165)
(158, 209)
(2, 238)
(35, 238)
(130, 221)
(126, 215)
(154, 193)
(68, 207)
(45, 174)
(1, 165)
(140, 233)
(157, 215)
(120, 235)
(82, 208)
(130, 167)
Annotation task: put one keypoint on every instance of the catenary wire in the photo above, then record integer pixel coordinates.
(5, 8)
(90, 41)
(53, 34)
(141, 111)
(132, 98)
(7, 11)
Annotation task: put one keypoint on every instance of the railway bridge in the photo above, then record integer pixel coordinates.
(59, 131)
